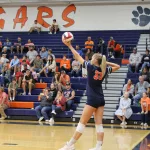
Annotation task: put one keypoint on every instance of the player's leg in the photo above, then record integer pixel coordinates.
(98, 116)
(86, 115)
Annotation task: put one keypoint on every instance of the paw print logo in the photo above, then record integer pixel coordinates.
(142, 17)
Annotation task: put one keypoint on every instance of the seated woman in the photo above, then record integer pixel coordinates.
(118, 50)
(59, 105)
(45, 106)
(145, 73)
(19, 77)
(4, 103)
(56, 80)
(124, 111)
(12, 89)
(53, 91)
(145, 101)
(129, 87)
(50, 66)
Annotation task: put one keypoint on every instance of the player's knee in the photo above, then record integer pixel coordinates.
(99, 128)
(80, 128)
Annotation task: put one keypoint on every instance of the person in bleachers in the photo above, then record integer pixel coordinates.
(34, 75)
(134, 61)
(38, 64)
(65, 64)
(129, 87)
(69, 94)
(64, 78)
(31, 54)
(4, 103)
(90, 53)
(145, 101)
(124, 111)
(28, 82)
(54, 27)
(84, 70)
(12, 89)
(1, 46)
(145, 74)
(3, 61)
(79, 50)
(4, 51)
(76, 68)
(18, 45)
(59, 105)
(9, 46)
(35, 27)
(25, 59)
(141, 87)
(24, 65)
(53, 90)
(19, 77)
(45, 106)
(56, 80)
(14, 64)
(89, 44)
(101, 47)
(50, 52)
(111, 44)
(44, 54)
(117, 50)
(50, 67)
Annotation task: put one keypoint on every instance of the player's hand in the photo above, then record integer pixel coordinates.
(66, 43)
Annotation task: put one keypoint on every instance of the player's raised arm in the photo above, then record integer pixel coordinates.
(115, 67)
(77, 56)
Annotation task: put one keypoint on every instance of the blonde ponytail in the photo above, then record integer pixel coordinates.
(103, 65)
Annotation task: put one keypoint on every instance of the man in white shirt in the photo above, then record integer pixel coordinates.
(35, 27)
(54, 28)
(134, 61)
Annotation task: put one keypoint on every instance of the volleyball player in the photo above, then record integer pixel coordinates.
(97, 69)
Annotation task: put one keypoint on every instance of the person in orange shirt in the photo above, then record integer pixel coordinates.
(65, 64)
(118, 50)
(89, 43)
(111, 44)
(145, 101)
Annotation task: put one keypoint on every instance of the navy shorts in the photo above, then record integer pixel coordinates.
(95, 102)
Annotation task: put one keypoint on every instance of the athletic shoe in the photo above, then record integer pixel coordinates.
(142, 124)
(122, 124)
(142, 112)
(24, 93)
(29, 93)
(66, 147)
(125, 123)
(53, 112)
(46, 121)
(54, 32)
(40, 119)
(145, 125)
(10, 98)
(51, 121)
(96, 148)
(50, 33)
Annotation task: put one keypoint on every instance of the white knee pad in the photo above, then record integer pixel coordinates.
(99, 128)
(80, 128)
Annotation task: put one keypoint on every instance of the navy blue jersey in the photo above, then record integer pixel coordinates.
(94, 80)
(67, 93)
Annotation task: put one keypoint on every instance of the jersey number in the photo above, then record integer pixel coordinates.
(98, 75)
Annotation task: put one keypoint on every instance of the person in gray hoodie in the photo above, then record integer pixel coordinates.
(45, 106)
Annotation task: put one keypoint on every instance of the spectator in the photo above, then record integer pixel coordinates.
(25, 68)
(35, 27)
(31, 54)
(14, 64)
(53, 91)
(145, 59)
(76, 68)
(12, 90)
(56, 80)
(59, 105)
(101, 47)
(29, 43)
(1, 45)
(50, 66)
(84, 70)
(4, 103)
(25, 59)
(18, 45)
(64, 78)
(38, 64)
(24, 65)
(90, 53)
(145, 101)
(4, 51)
(34, 75)
(111, 44)
(65, 64)
(79, 50)
(8, 44)
(69, 94)
(145, 74)
(3, 61)
(45, 106)
(129, 87)
(28, 82)
(50, 52)
(118, 50)
(54, 28)
(141, 87)
(19, 77)
(89, 44)
(134, 61)
(44, 54)
(124, 111)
